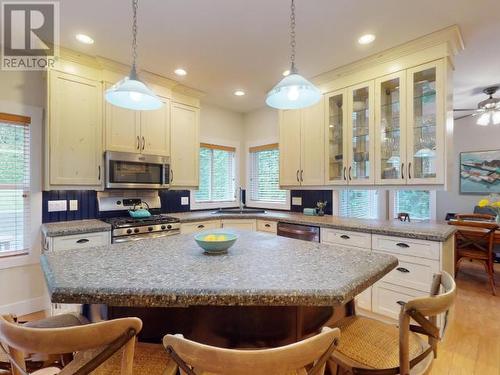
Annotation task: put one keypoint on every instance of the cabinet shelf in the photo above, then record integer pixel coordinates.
(426, 95)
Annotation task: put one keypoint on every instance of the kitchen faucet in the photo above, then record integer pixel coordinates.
(241, 199)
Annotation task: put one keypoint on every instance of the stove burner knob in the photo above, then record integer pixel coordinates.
(169, 226)
(163, 227)
(129, 231)
(136, 230)
(150, 229)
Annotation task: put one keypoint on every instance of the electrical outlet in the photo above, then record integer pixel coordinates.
(56, 206)
(297, 201)
(184, 201)
(73, 205)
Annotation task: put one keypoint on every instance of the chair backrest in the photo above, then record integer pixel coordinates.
(102, 339)
(468, 236)
(290, 359)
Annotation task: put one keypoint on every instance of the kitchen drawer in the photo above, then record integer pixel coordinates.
(199, 226)
(413, 272)
(81, 241)
(347, 238)
(406, 246)
(385, 298)
(267, 226)
(239, 224)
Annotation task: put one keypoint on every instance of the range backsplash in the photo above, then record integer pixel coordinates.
(170, 203)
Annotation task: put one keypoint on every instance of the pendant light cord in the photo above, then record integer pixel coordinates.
(133, 73)
(292, 37)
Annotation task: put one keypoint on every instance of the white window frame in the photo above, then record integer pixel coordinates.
(432, 203)
(34, 250)
(260, 204)
(381, 201)
(226, 204)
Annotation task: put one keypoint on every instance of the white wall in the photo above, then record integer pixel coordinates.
(467, 136)
(22, 286)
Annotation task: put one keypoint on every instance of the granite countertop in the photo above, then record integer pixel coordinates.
(65, 228)
(431, 231)
(261, 269)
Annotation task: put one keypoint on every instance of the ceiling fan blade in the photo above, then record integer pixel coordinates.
(461, 117)
(464, 109)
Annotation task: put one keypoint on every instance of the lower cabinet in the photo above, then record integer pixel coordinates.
(387, 298)
(239, 224)
(267, 226)
(200, 226)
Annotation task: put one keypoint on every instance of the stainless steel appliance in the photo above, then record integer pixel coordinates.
(299, 232)
(125, 229)
(126, 170)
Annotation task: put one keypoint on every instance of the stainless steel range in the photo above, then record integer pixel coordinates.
(126, 229)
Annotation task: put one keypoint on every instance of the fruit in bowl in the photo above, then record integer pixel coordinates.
(215, 242)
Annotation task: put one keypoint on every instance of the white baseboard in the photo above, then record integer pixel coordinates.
(26, 307)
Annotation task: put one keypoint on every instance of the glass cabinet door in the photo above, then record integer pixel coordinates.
(336, 169)
(390, 129)
(361, 134)
(425, 124)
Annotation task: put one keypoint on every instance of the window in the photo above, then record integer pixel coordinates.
(264, 178)
(359, 203)
(420, 204)
(14, 184)
(217, 174)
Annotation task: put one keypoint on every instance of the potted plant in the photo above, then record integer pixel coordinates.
(493, 203)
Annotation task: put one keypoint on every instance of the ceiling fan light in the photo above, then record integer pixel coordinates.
(496, 118)
(484, 119)
(132, 94)
(293, 92)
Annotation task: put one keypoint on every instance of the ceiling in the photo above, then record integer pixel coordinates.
(231, 44)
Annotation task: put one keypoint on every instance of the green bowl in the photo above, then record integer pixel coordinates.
(216, 245)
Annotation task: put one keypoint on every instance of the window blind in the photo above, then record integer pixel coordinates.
(417, 203)
(359, 203)
(265, 174)
(217, 174)
(14, 184)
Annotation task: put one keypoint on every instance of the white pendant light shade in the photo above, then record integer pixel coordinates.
(293, 92)
(133, 94)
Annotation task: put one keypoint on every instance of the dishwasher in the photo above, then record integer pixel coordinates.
(299, 231)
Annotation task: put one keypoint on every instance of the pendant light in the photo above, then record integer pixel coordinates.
(131, 92)
(293, 91)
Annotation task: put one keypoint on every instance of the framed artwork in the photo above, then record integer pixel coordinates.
(480, 172)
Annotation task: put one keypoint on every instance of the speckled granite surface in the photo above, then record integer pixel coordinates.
(65, 228)
(432, 231)
(260, 269)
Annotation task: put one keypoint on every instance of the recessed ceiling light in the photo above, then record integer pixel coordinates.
(286, 72)
(366, 39)
(239, 93)
(180, 72)
(84, 39)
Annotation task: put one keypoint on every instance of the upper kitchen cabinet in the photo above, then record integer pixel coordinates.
(335, 133)
(73, 132)
(184, 145)
(300, 142)
(155, 130)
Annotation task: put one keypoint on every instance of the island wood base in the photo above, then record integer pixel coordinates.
(234, 326)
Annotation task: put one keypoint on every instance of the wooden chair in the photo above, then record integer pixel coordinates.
(196, 359)
(92, 343)
(475, 240)
(369, 346)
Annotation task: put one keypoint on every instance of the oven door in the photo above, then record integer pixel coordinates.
(136, 171)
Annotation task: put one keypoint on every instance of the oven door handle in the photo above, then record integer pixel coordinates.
(138, 237)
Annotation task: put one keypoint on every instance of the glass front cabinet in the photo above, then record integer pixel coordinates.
(336, 146)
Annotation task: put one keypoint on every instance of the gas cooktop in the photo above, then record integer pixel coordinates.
(126, 221)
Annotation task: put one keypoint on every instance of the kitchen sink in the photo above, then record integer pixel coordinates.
(241, 211)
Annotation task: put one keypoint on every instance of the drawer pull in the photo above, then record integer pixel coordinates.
(201, 226)
(402, 244)
(401, 303)
(403, 270)
(83, 240)
(268, 225)
(345, 237)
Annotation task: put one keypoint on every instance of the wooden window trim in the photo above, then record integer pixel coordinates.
(218, 147)
(269, 147)
(16, 119)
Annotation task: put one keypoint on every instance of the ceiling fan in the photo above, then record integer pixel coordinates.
(488, 110)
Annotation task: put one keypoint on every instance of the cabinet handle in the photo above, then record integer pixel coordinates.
(99, 173)
(268, 225)
(403, 270)
(345, 177)
(301, 175)
(345, 237)
(138, 143)
(402, 244)
(143, 143)
(83, 240)
(201, 226)
(402, 171)
(298, 176)
(171, 175)
(401, 303)
(409, 170)
(350, 178)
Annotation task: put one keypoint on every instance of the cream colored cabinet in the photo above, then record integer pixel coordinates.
(73, 132)
(241, 224)
(301, 154)
(200, 226)
(146, 132)
(184, 145)
(336, 163)
(267, 226)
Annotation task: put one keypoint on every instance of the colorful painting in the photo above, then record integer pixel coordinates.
(480, 172)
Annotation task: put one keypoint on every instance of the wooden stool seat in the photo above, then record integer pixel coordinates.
(369, 343)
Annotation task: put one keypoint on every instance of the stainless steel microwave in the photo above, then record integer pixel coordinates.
(126, 170)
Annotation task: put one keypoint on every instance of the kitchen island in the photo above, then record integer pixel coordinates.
(263, 279)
